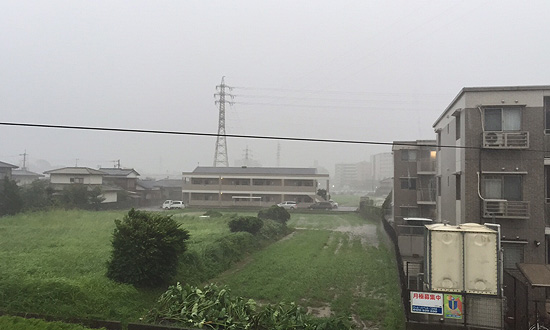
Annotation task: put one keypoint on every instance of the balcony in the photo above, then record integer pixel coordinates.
(425, 196)
(426, 166)
(503, 209)
(506, 140)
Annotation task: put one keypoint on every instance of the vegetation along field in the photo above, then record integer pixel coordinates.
(54, 263)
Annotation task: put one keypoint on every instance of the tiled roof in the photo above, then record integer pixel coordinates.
(75, 170)
(256, 170)
(25, 172)
(2, 164)
(119, 171)
(169, 183)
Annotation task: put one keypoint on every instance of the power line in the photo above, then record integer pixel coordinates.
(257, 137)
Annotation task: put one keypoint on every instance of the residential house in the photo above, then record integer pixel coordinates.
(149, 193)
(170, 188)
(125, 178)
(64, 177)
(25, 177)
(6, 170)
(251, 186)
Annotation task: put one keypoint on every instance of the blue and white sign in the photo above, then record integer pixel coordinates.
(427, 303)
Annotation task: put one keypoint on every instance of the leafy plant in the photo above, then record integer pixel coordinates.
(276, 213)
(216, 308)
(10, 197)
(146, 249)
(248, 224)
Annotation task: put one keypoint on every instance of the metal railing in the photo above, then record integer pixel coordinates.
(499, 208)
(506, 140)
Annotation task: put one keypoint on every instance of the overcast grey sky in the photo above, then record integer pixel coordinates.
(357, 70)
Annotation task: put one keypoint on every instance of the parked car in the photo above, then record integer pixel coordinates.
(333, 203)
(289, 205)
(177, 205)
(166, 205)
(320, 206)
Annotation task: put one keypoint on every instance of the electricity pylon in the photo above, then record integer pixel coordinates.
(220, 157)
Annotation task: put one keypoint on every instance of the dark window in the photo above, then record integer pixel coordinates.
(458, 187)
(547, 180)
(547, 114)
(502, 119)
(508, 187)
(408, 155)
(408, 183)
(457, 121)
(513, 254)
(438, 186)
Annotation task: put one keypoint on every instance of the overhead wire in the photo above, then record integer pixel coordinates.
(259, 137)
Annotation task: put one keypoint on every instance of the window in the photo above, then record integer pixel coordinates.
(507, 187)
(547, 179)
(408, 155)
(513, 254)
(457, 122)
(502, 119)
(408, 183)
(547, 114)
(409, 212)
(438, 186)
(77, 180)
(458, 187)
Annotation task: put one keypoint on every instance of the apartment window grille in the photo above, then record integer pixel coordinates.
(408, 155)
(502, 119)
(458, 187)
(507, 187)
(513, 254)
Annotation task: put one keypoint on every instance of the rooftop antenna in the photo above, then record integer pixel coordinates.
(220, 157)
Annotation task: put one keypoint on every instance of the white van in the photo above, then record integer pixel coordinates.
(167, 204)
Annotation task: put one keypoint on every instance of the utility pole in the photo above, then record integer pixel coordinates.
(220, 157)
(24, 159)
(278, 154)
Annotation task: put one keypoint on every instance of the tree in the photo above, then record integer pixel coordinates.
(37, 195)
(146, 249)
(248, 224)
(276, 213)
(322, 193)
(10, 197)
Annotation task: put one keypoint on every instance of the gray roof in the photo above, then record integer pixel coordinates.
(490, 89)
(2, 164)
(146, 184)
(25, 172)
(118, 171)
(169, 183)
(257, 170)
(75, 170)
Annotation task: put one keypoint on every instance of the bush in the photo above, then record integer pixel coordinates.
(10, 197)
(213, 214)
(275, 213)
(146, 249)
(248, 224)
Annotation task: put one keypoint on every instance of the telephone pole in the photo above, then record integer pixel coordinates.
(220, 157)
(24, 159)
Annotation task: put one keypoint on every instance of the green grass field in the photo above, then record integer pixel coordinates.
(335, 264)
(55, 262)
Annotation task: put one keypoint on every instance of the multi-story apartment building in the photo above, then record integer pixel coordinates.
(354, 176)
(251, 186)
(493, 166)
(414, 193)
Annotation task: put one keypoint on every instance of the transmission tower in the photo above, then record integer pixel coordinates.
(220, 157)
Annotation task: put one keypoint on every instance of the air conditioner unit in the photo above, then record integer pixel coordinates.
(495, 207)
(493, 139)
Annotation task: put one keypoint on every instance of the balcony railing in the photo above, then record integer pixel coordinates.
(425, 166)
(506, 140)
(503, 209)
(426, 195)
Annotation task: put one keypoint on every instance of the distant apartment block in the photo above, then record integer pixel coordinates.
(355, 176)
(414, 193)
(250, 186)
(382, 166)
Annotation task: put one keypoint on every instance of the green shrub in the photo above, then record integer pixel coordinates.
(19, 323)
(213, 214)
(276, 213)
(146, 248)
(273, 230)
(248, 224)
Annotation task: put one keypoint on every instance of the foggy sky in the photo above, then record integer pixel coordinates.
(349, 70)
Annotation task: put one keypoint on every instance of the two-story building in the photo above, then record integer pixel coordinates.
(251, 186)
(64, 177)
(6, 170)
